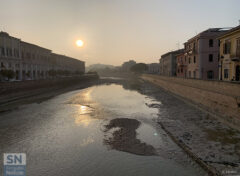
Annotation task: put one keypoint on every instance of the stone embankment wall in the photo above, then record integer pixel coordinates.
(10, 90)
(218, 97)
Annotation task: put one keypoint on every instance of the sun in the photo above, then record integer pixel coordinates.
(79, 43)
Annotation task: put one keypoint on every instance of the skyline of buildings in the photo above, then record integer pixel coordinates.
(210, 55)
(213, 54)
(29, 62)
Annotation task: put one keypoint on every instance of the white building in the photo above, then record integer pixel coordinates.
(29, 61)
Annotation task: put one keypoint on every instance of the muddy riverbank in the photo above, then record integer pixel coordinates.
(210, 140)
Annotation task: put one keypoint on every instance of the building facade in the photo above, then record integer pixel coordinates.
(61, 62)
(126, 66)
(154, 68)
(10, 54)
(168, 63)
(229, 63)
(34, 61)
(27, 61)
(202, 53)
(181, 65)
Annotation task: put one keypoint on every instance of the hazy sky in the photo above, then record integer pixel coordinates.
(114, 31)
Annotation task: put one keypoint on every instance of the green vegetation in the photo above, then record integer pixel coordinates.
(5, 73)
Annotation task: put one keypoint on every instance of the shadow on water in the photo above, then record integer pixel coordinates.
(123, 137)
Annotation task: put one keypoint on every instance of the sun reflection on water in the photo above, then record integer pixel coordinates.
(87, 141)
(82, 116)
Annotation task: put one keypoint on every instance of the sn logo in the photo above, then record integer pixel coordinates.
(14, 159)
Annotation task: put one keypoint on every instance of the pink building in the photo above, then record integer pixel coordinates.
(202, 54)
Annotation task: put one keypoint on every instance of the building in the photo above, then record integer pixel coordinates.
(34, 61)
(181, 65)
(64, 63)
(168, 63)
(10, 54)
(202, 54)
(229, 63)
(27, 61)
(126, 66)
(154, 68)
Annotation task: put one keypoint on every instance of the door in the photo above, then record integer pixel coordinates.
(238, 73)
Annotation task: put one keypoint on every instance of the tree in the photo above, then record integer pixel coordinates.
(52, 73)
(139, 68)
(7, 74)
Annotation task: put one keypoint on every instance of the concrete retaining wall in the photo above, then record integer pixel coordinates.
(9, 90)
(221, 98)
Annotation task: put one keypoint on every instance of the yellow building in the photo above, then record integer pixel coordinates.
(230, 55)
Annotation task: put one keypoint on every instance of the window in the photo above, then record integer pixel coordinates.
(10, 52)
(210, 74)
(189, 60)
(2, 65)
(3, 51)
(211, 43)
(185, 59)
(225, 73)
(210, 58)
(227, 47)
(17, 65)
(16, 53)
(194, 59)
(238, 48)
(189, 74)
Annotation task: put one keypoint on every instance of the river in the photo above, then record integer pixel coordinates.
(100, 130)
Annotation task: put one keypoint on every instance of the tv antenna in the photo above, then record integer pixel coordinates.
(178, 45)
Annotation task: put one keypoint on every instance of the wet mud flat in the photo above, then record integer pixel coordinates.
(210, 140)
(124, 137)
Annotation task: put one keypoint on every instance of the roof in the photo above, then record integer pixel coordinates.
(217, 31)
(5, 34)
(65, 57)
(35, 45)
(180, 54)
(235, 29)
(173, 52)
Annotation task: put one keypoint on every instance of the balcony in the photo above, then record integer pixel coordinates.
(181, 64)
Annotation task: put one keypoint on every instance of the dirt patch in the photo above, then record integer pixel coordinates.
(123, 137)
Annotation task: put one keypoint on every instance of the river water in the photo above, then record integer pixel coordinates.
(100, 130)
